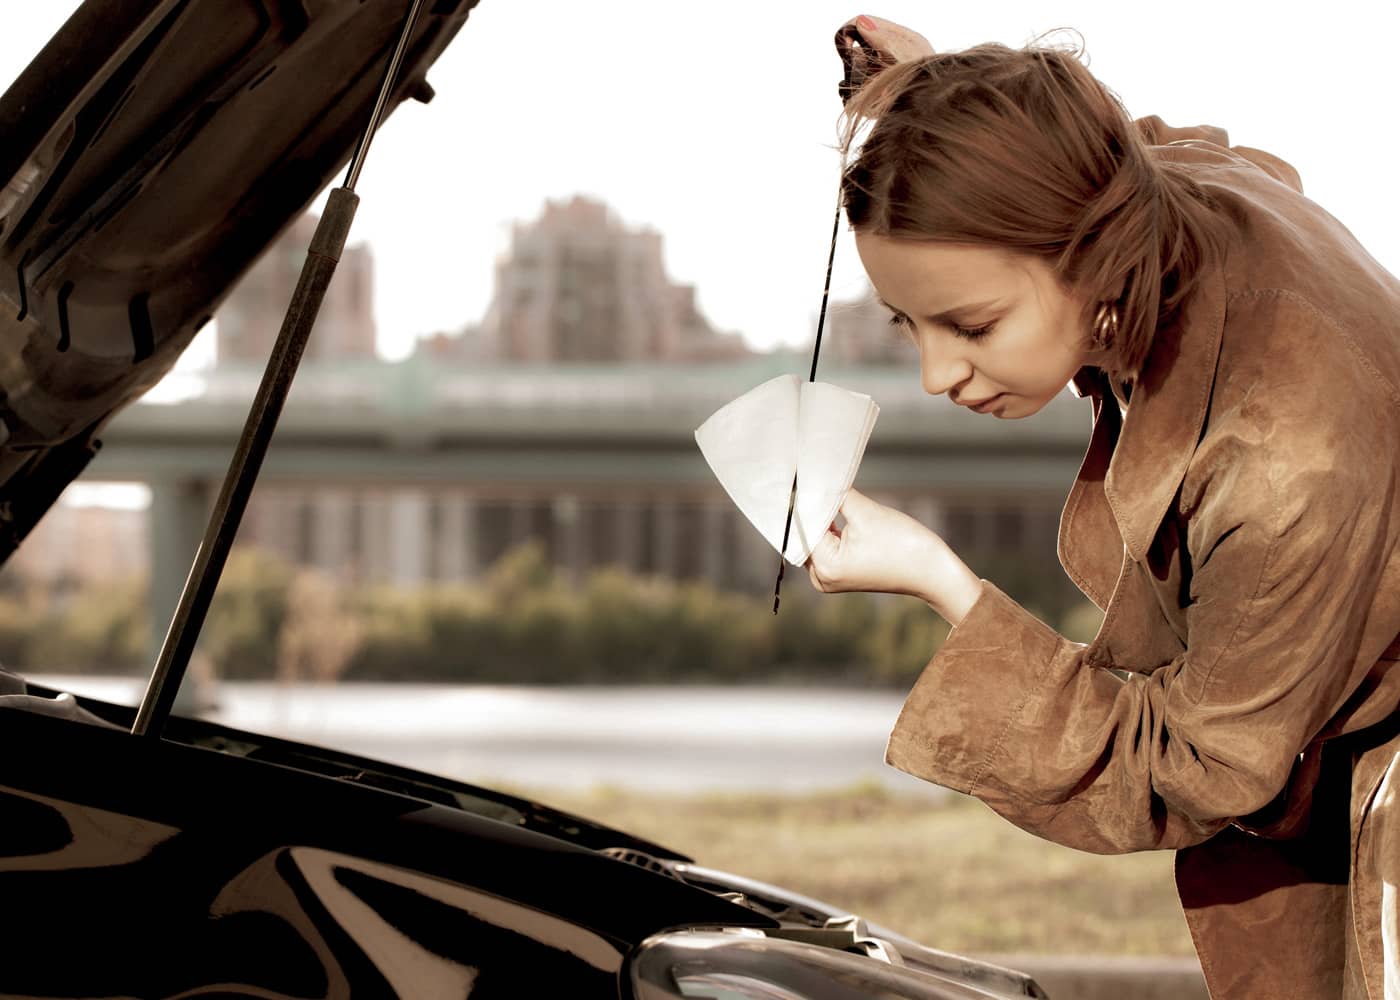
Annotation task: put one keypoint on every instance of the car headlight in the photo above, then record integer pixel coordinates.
(749, 965)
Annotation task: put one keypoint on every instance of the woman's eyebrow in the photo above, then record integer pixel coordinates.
(949, 317)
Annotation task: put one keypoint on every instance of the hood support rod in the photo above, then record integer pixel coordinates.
(321, 260)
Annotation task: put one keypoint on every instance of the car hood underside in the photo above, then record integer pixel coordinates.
(148, 155)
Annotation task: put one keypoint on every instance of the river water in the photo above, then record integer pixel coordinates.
(652, 738)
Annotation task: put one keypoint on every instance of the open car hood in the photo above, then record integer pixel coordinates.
(148, 155)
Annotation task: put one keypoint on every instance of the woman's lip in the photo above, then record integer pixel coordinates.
(986, 404)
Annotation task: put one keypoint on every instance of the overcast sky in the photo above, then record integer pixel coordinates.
(713, 122)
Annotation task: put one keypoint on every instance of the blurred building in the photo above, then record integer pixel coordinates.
(250, 318)
(578, 286)
(85, 544)
(462, 347)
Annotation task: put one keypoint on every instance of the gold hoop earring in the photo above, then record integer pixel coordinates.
(1105, 327)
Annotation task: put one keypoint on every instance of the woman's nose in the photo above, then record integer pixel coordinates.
(942, 370)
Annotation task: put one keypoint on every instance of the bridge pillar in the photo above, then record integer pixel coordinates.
(179, 514)
(448, 545)
(409, 542)
(471, 538)
(714, 544)
(332, 510)
(569, 535)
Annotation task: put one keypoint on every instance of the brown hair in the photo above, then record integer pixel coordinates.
(1025, 150)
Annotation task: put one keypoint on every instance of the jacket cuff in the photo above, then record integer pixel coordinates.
(967, 701)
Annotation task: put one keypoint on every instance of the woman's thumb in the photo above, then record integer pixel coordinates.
(856, 505)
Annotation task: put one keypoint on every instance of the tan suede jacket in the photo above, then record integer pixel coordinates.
(1239, 525)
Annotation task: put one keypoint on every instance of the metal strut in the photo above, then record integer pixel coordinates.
(816, 353)
(321, 259)
(848, 42)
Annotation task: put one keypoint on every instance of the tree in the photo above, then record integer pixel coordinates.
(319, 635)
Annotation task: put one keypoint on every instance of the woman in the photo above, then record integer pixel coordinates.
(1237, 514)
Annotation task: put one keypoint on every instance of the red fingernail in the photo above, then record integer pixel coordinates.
(865, 23)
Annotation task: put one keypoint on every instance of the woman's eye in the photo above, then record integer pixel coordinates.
(973, 333)
(901, 323)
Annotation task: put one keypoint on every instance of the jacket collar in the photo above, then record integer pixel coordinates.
(1165, 416)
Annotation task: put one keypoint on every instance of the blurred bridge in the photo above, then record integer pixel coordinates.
(413, 423)
(411, 471)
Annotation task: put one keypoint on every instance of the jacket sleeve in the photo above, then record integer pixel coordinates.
(1158, 133)
(1286, 558)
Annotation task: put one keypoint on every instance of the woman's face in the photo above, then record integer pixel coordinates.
(996, 331)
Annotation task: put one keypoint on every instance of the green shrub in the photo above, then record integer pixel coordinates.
(396, 642)
(821, 632)
(523, 570)
(17, 629)
(621, 618)
(904, 639)
(102, 629)
(245, 617)
(464, 634)
(540, 637)
(708, 635)
(526, 623)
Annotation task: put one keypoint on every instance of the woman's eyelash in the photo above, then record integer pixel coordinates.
(900, 321)
(967, 333)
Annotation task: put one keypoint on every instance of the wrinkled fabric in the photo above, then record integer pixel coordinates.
(1239, 524)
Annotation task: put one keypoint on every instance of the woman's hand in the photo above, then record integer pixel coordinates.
(882, 550)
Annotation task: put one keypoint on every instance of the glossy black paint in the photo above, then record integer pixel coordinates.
(148, 868)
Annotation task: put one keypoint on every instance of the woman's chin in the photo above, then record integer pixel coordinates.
(1011, 407)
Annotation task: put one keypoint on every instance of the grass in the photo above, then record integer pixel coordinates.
(948, 872)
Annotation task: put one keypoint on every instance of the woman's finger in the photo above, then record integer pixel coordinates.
(824, 552)
(892, 40)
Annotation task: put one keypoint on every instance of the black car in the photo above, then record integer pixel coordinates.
(147, 156)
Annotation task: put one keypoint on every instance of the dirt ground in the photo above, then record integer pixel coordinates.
(951, 874)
